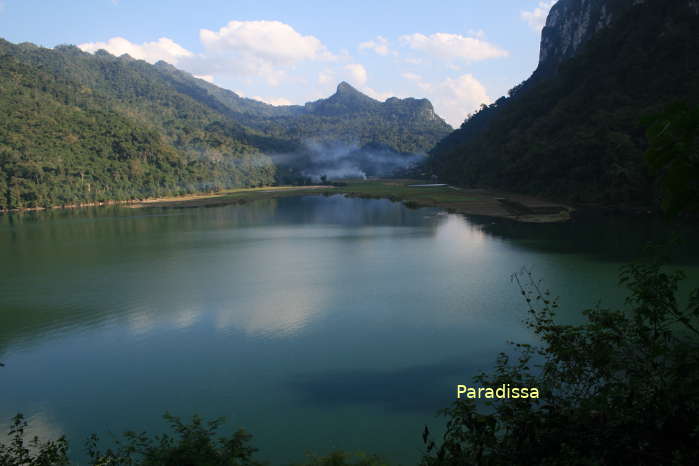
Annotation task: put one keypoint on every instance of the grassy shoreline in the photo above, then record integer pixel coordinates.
(455, 200)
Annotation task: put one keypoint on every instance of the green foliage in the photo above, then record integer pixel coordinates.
(348, 116)
(618, 389)
(673, 154)
(194, 444)
(32, 453)
(575, 133)
(78, 129)
(340, 458)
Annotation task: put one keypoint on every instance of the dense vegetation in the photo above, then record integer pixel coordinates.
(82, 128)
(618, 389)
(348, 116)
(576, 133)
(673, 156)
(191, 444)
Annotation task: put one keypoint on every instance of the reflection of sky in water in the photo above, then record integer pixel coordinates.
(313, 322)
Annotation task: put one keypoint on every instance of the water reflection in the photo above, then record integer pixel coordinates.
(422, 388)
(350, 319)
(81, 269)
(608, 238)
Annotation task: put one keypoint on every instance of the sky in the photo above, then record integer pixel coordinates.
(457, 53)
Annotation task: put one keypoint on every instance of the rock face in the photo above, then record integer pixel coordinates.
(348, 100)
(573, 130)
(571, 23)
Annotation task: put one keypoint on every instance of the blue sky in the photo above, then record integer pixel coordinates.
(458, 54)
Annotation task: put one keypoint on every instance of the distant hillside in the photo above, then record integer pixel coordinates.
(79, 128)
(573, 130)
(405, 125)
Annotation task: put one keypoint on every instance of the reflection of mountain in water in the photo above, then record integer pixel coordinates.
(606, 238)
(74, 269)
(265, 268)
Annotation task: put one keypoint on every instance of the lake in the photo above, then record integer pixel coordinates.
(315, 323)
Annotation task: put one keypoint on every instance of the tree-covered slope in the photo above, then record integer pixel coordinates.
(348, 116)
(77, 128)
(574, 130)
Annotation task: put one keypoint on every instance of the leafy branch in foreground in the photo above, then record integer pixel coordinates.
(673, 154)
(621, 388)
(194, 444)
(32, 453)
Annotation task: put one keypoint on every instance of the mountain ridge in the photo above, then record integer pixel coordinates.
(84, 128)
(574, 130)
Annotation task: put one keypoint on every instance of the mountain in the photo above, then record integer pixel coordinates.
(571, 24)
(575, 130)
(77, 128)
(81, 128)
(348, 116)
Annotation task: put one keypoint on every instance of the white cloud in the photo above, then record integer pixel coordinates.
(478, 33)
(536, 19)
(267, 49)
(378, 45)
(273, 100)
(457, 97)
(205, 77)
(453, 98)
(162, 49)
(374, 94)
(271, 41)
(326, 77)
(453, 46)
(412, 76)
(357, 74)
(412, 61)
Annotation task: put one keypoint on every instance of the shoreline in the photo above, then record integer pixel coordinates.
(480, 202)
(477, 202)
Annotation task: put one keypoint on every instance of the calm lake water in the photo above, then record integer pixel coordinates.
(316, 323)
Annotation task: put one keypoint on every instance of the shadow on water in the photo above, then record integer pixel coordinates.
(415, 388)
(270, 309)
(605, 238)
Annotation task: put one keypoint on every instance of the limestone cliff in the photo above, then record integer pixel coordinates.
(571, 23)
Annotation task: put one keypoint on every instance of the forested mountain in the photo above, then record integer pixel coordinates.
(406, 125)
(575, 129)
(79, 128)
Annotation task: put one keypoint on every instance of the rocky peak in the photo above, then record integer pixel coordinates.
(571, 23)
(346, 99)
(345, 88)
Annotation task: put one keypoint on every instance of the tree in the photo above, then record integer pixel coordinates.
(32, 453)
(673, 154)
(194, 444)
(618, 389)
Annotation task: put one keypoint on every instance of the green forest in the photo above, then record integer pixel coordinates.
(80, 128)
(577, 133)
